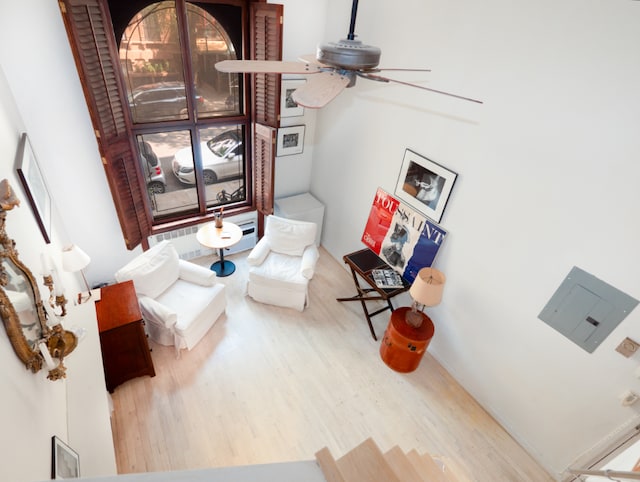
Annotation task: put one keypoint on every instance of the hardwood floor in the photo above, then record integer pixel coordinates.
(268, 384)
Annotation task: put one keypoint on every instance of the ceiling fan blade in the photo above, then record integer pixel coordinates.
(265, 67)
(320, 89)
(311, 59)
(379, 78)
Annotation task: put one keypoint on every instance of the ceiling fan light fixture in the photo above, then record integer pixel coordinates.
(349, 54)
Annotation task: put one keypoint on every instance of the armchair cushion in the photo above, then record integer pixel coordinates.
(280, 269)
(290, 237)
(153, 271)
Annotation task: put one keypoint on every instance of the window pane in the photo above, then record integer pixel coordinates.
(210, 43)
(223, 164)
(167, 195)
(152, 65)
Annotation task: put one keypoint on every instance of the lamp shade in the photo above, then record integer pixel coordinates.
(74, 259)
(428, 286)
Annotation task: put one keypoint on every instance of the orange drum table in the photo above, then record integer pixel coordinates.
(403, 346)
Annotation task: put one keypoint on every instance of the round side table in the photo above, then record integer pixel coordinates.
(220, 238)
(403, 346)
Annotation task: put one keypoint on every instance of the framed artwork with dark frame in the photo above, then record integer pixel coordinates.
(65, 462)
(288, 106)
(34, 186)
(290, 140)
(424, 185)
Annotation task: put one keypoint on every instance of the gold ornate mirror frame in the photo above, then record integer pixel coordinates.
(17, 281)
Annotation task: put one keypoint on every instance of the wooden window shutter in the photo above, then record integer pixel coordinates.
(264, 143)
(90, 34)
(266, 44)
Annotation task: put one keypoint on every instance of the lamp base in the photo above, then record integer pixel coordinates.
(403, 345)
(413, 318)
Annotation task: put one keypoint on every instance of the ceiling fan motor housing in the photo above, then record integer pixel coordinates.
(349, 55)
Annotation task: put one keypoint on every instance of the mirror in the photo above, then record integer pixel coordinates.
(21, 307)
(23, 300)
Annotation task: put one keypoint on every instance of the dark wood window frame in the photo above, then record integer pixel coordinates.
(89, 28)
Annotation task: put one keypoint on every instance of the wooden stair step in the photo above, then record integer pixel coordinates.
(366, 463)
(328, 465)
(427, 467)
(402, 466)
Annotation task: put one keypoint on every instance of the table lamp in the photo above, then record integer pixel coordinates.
(73, 260)
(426, 290)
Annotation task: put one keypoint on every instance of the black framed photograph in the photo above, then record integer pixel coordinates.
(65, 462)
(424, 185)
(290, 140)
(34, 186)
(288, 106)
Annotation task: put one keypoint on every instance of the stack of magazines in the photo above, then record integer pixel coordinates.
(387, 278)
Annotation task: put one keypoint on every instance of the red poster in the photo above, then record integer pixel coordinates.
(380, 216)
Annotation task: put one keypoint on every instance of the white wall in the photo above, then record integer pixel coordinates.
(548, 179)
(33, 408)
(303, 29)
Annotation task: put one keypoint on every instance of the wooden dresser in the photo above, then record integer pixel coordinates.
(125, 350)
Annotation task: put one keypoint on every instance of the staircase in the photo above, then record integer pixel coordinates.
(367, 463)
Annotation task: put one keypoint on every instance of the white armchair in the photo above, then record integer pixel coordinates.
(283, 262)
(180, 301)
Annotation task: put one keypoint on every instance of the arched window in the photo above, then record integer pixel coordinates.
(189, 120)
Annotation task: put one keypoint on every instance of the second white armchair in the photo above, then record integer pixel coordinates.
(283, 262)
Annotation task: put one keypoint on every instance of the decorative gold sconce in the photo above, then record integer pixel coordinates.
(51, 281)
(36, 342)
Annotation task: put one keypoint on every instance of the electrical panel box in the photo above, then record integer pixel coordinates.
(586, 310)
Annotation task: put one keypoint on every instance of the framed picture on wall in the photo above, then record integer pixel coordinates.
(34, 186)
(424, 185)
(65, 462)
(288, 106)
(290, 140)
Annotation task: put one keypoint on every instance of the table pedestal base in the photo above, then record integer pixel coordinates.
(403, 346)
(223, 268)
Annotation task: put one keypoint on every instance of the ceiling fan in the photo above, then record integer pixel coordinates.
(336, 66)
